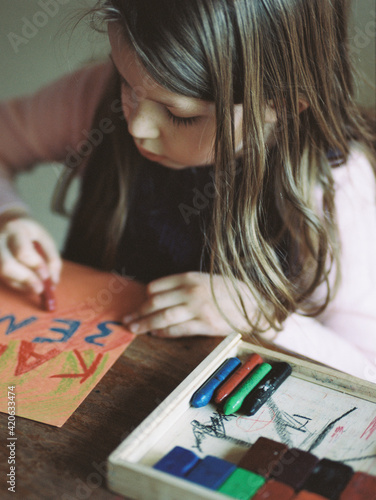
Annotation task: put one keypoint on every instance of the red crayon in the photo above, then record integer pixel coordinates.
(238, 376)
(48, 295)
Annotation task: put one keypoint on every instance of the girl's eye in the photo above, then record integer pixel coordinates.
(124, 84)
(180, 120)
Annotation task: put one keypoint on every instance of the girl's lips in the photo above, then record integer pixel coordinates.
(149, 154)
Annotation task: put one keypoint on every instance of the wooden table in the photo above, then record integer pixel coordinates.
(68, 463)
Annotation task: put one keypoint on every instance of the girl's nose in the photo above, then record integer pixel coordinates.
(142, 120)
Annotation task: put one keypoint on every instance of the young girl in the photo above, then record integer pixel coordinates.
(224, 163)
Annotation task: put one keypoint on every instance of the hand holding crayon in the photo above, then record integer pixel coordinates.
(24, 267)
(48, 294)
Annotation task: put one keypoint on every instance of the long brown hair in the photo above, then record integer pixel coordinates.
(268, 229)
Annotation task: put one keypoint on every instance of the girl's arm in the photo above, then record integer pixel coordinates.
(343, 337)
(54, 124)
(312, 339)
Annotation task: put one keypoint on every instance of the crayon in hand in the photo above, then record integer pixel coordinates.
(48, 295)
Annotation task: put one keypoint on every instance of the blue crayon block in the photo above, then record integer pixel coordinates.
(178, 462)
(211, 472)
(204, 394)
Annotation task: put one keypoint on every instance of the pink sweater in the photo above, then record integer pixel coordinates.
(55, 122)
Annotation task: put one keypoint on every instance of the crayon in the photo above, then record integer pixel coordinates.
(204, 394)
(178, 462)
(242, 484)
(47, 296)
(362, 486)
(328, 479)
(308, 495)
(235, 400)
(294, 467)
(211, 472)
(237, 377)
(262, 456)
(262, 392)
(274, 490)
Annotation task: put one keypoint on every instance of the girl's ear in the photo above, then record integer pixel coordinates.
(271, 116)
(303, 105)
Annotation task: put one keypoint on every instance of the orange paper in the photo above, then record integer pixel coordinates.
(54, 359)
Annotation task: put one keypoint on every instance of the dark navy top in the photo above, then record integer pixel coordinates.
(164, 234)
(168, 217)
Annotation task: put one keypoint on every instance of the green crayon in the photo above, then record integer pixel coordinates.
(242, 484)
(235, 400)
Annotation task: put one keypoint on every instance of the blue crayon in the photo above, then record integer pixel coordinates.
(204, 394)
(178, 462)
(211, 472)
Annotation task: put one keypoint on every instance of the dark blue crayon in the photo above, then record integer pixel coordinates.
(264, 389)
(179, 461)
(211, 472)
(204, 394)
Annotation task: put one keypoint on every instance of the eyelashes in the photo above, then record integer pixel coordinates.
(176, 120)
(180, 120)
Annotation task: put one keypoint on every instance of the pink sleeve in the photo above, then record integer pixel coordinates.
(50, 125)
(311, 338)
(344, 336)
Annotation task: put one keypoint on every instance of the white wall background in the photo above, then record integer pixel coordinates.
(51, 50)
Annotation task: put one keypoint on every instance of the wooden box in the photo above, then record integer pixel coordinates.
(317, 409)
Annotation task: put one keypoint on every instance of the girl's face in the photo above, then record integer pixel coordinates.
(168, 128)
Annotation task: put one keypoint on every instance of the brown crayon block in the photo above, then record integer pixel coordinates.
(361, 486)
(274, 490)
(308, 495)
(262, 456)
(294, 467)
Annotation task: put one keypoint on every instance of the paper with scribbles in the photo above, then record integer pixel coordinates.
(50, 361)
(300, 414)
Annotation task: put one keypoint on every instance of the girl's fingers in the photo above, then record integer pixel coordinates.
(52, 257)
(23, 264)
(55, 267)
(167, 298)
(161, 319)
(182, 304)
(47, 263)
(173, 281)
(23, 250)
(17, 275)
(187, 329)
(157, 302)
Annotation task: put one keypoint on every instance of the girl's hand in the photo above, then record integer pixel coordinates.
(21, 266)
(182, 304)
